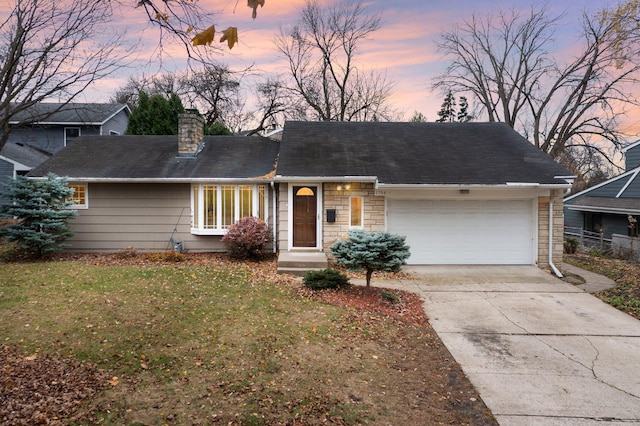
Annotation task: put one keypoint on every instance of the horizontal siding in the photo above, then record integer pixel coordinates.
(142, 216)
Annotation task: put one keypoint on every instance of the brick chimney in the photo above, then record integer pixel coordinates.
(190, 134)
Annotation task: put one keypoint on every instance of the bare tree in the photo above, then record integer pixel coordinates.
(215, 92)
(50, 50)
(321, 50)
(570, 103)
(275, 104)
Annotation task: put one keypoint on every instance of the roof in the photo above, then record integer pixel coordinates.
(23, 154)
(416, 153)
(156, 158)
(69, 113)
(620, 194)
(607, 205)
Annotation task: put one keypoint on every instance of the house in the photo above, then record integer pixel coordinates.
(605, 208)
(462, 193)
(45, 128)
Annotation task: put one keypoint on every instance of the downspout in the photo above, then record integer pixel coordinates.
(553, 267)
(275, 219)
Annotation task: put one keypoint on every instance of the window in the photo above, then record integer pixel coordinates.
(70, 133)
(79, 197)
(356, 212)
(216, 207)
(593, 222)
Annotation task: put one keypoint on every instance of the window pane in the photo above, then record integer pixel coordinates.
(262, 202)
(228, 206)
(356, 211)
(246, 200)
(79, 194)
(210, 195)
(196, 208)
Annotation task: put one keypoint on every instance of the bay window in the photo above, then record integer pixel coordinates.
(216, 207)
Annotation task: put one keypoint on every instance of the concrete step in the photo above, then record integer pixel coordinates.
(300, 272)
(298, 263)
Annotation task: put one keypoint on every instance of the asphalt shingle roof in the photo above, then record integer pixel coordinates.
(23, 154)
(79, 113)
(415, 153)
(156, 157)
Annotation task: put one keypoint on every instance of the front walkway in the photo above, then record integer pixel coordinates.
(538, 350)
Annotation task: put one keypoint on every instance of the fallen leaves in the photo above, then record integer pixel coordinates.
(41, 389)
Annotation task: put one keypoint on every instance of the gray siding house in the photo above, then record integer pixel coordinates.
(462, 193)
(45, 128)
(606, 207)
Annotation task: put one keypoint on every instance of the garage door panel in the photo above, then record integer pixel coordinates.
(464, 232)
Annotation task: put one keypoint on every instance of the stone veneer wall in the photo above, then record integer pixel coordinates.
(374, 214)
(543, 229)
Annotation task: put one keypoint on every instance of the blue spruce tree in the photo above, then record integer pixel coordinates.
(371, 251)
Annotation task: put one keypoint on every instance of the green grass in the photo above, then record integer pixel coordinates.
(205, 332)
(207, 343)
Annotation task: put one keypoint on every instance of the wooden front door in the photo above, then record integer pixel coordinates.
(305, 203)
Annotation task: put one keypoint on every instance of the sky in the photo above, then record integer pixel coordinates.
(404, 48)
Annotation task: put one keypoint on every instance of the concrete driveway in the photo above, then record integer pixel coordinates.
(538, 350)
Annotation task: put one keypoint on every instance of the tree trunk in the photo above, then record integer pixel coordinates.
(369, 273)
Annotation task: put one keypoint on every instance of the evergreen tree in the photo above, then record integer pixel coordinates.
(155, 115)
(447, 111)
(463, 115)
(41, 210)
(371, 251)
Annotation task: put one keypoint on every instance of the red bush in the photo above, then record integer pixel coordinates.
(247, 238)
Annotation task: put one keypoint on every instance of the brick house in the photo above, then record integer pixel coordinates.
(462, 193)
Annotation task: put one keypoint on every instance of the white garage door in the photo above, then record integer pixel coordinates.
(464, 232)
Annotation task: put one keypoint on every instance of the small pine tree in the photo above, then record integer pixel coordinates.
(371, 251)
(40, 208)
(447, 111)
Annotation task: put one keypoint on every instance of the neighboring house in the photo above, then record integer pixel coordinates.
(17, 159)
(52, 126)
(45, 128)
(605, 208)
(462, 193)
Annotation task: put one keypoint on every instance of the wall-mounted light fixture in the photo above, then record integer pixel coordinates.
(464, 191)
(346, 186)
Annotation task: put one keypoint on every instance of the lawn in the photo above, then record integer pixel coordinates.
(209, 341)
(625, 296)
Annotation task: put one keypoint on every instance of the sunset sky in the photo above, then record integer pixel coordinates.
(404, 47)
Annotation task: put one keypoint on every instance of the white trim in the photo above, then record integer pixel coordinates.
(593, 209)
(626, 185)
(301, 180)
(64, 132)
(318, 186)
(628, 147)
(197, 229)
(361, 212)
(17, 166)
(84, 206)
(600, 185)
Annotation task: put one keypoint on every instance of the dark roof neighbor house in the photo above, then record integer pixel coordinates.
(45, 128)
(461, 193)
(605, 208)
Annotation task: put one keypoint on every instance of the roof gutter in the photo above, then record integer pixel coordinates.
(161, 180)
(280, 178)
(508, 185)
(582, 208)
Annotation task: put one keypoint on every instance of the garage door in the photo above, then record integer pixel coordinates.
(464, 232)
